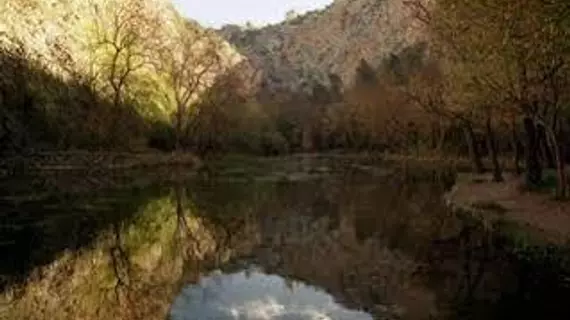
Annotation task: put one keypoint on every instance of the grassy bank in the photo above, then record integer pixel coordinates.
(85, 161)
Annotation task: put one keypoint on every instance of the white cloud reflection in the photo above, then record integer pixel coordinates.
(252, 295)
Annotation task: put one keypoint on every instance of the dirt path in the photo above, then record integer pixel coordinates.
(537, 210)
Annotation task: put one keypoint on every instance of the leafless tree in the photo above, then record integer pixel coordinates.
(190, 63)
(124, 36)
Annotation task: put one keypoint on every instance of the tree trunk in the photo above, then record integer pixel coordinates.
(556, 144)
(532, 162)
(546, 151)
(433, 136)
(474, 153)
(179, 128)
(442, 135)
(307, 139)
(516, 148)
(492, 146)
(561, 169)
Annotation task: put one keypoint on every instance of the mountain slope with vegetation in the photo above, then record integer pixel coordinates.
(447, 78)
(100, 74)
(410, 77)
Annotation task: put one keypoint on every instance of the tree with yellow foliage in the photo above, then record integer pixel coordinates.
(504, 57)
(189, 64)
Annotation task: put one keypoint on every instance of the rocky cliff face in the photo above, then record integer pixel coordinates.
(307, 49)
(62, 34)
(294, 55)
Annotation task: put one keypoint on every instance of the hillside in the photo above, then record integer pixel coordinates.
(306, 49)
(62, 32)
(110, 74)
(67, 66)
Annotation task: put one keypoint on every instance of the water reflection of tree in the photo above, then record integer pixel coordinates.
(183, 231)
(470, 263)
(120, 261)
(371, 244)
(133, 267)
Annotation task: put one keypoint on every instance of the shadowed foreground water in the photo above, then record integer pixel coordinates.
(337, 243)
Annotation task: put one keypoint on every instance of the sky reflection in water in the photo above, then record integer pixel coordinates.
(253, 295)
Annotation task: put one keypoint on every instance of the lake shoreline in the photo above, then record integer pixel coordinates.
(541, 217)
(87, 161)
(391, 246)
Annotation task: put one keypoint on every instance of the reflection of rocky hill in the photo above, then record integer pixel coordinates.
(317, 237)
(360, 274)
(361, 241)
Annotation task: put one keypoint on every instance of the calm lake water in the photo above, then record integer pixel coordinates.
(317, 240)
